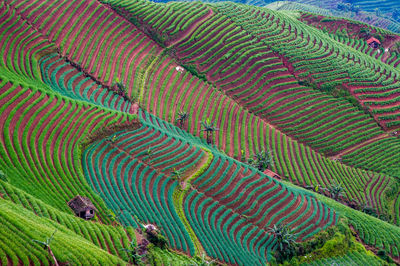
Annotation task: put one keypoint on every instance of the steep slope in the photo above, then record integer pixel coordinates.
(224, 200)
(58, 96)
(294, 161)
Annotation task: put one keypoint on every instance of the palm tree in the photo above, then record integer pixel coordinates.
(183, 116)
(284, 237)
(262, 160)
(46, 244)
(209, 128)
(336, 190)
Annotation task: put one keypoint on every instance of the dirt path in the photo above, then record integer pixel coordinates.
(353, 148)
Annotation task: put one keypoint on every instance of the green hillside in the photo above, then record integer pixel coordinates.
(155, 112)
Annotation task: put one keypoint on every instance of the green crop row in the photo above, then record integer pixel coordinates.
(120, 194)
(20, 227)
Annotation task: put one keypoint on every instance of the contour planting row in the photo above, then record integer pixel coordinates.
(383, 156)
(20, 44)
(41, 133)
(255, 76)
(135, 186)
(391, 58)
(228, 108)
(324, 61)
(372, 231)
(263, 202)
(132, 171)
(385, 5)
(108, 238)
(341, 127)
(67, 80)
(169, 22)
(239, 130)
(20, 227)
(101, 42)
(225, 234)
(230, 196)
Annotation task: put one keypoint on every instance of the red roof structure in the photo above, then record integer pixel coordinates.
(372, 39)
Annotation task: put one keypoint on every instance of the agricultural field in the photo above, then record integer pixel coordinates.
(202, 133)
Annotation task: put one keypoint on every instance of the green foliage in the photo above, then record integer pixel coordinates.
(384, 256)
(193, 70)
(157, 239)
(209, 128)
(46, 243)
(177, 173)
(3, 176)
(19, 227)
(133, 255)
(261, 160)
(285, 240)
(182, 117)
(336, 190)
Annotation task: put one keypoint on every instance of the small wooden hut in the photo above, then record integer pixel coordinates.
(83, 207)
(373, 42)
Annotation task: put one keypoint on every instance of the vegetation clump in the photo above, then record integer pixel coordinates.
(209, 128)
(46, 245)
(336, 241)
(336, 190)
(262, 160)
(182, 117)
(285, 240)
(154, 236)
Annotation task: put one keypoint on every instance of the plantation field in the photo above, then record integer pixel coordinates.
(91, 100)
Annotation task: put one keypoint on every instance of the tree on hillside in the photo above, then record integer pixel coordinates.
(209, 128)
(183, 116)
(177, 173)
(121, 88)
(285, 240)
(336, 190)
(261, 160)
(46, 245)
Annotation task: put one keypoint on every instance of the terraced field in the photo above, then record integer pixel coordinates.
(65, 131)
(278, 98)
(370, 230)
(45, 151)
(68, 81)
(97, 40)
(238, 200)
(342, 66)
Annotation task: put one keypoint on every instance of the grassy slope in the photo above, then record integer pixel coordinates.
(227, 136)
(15, 216)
